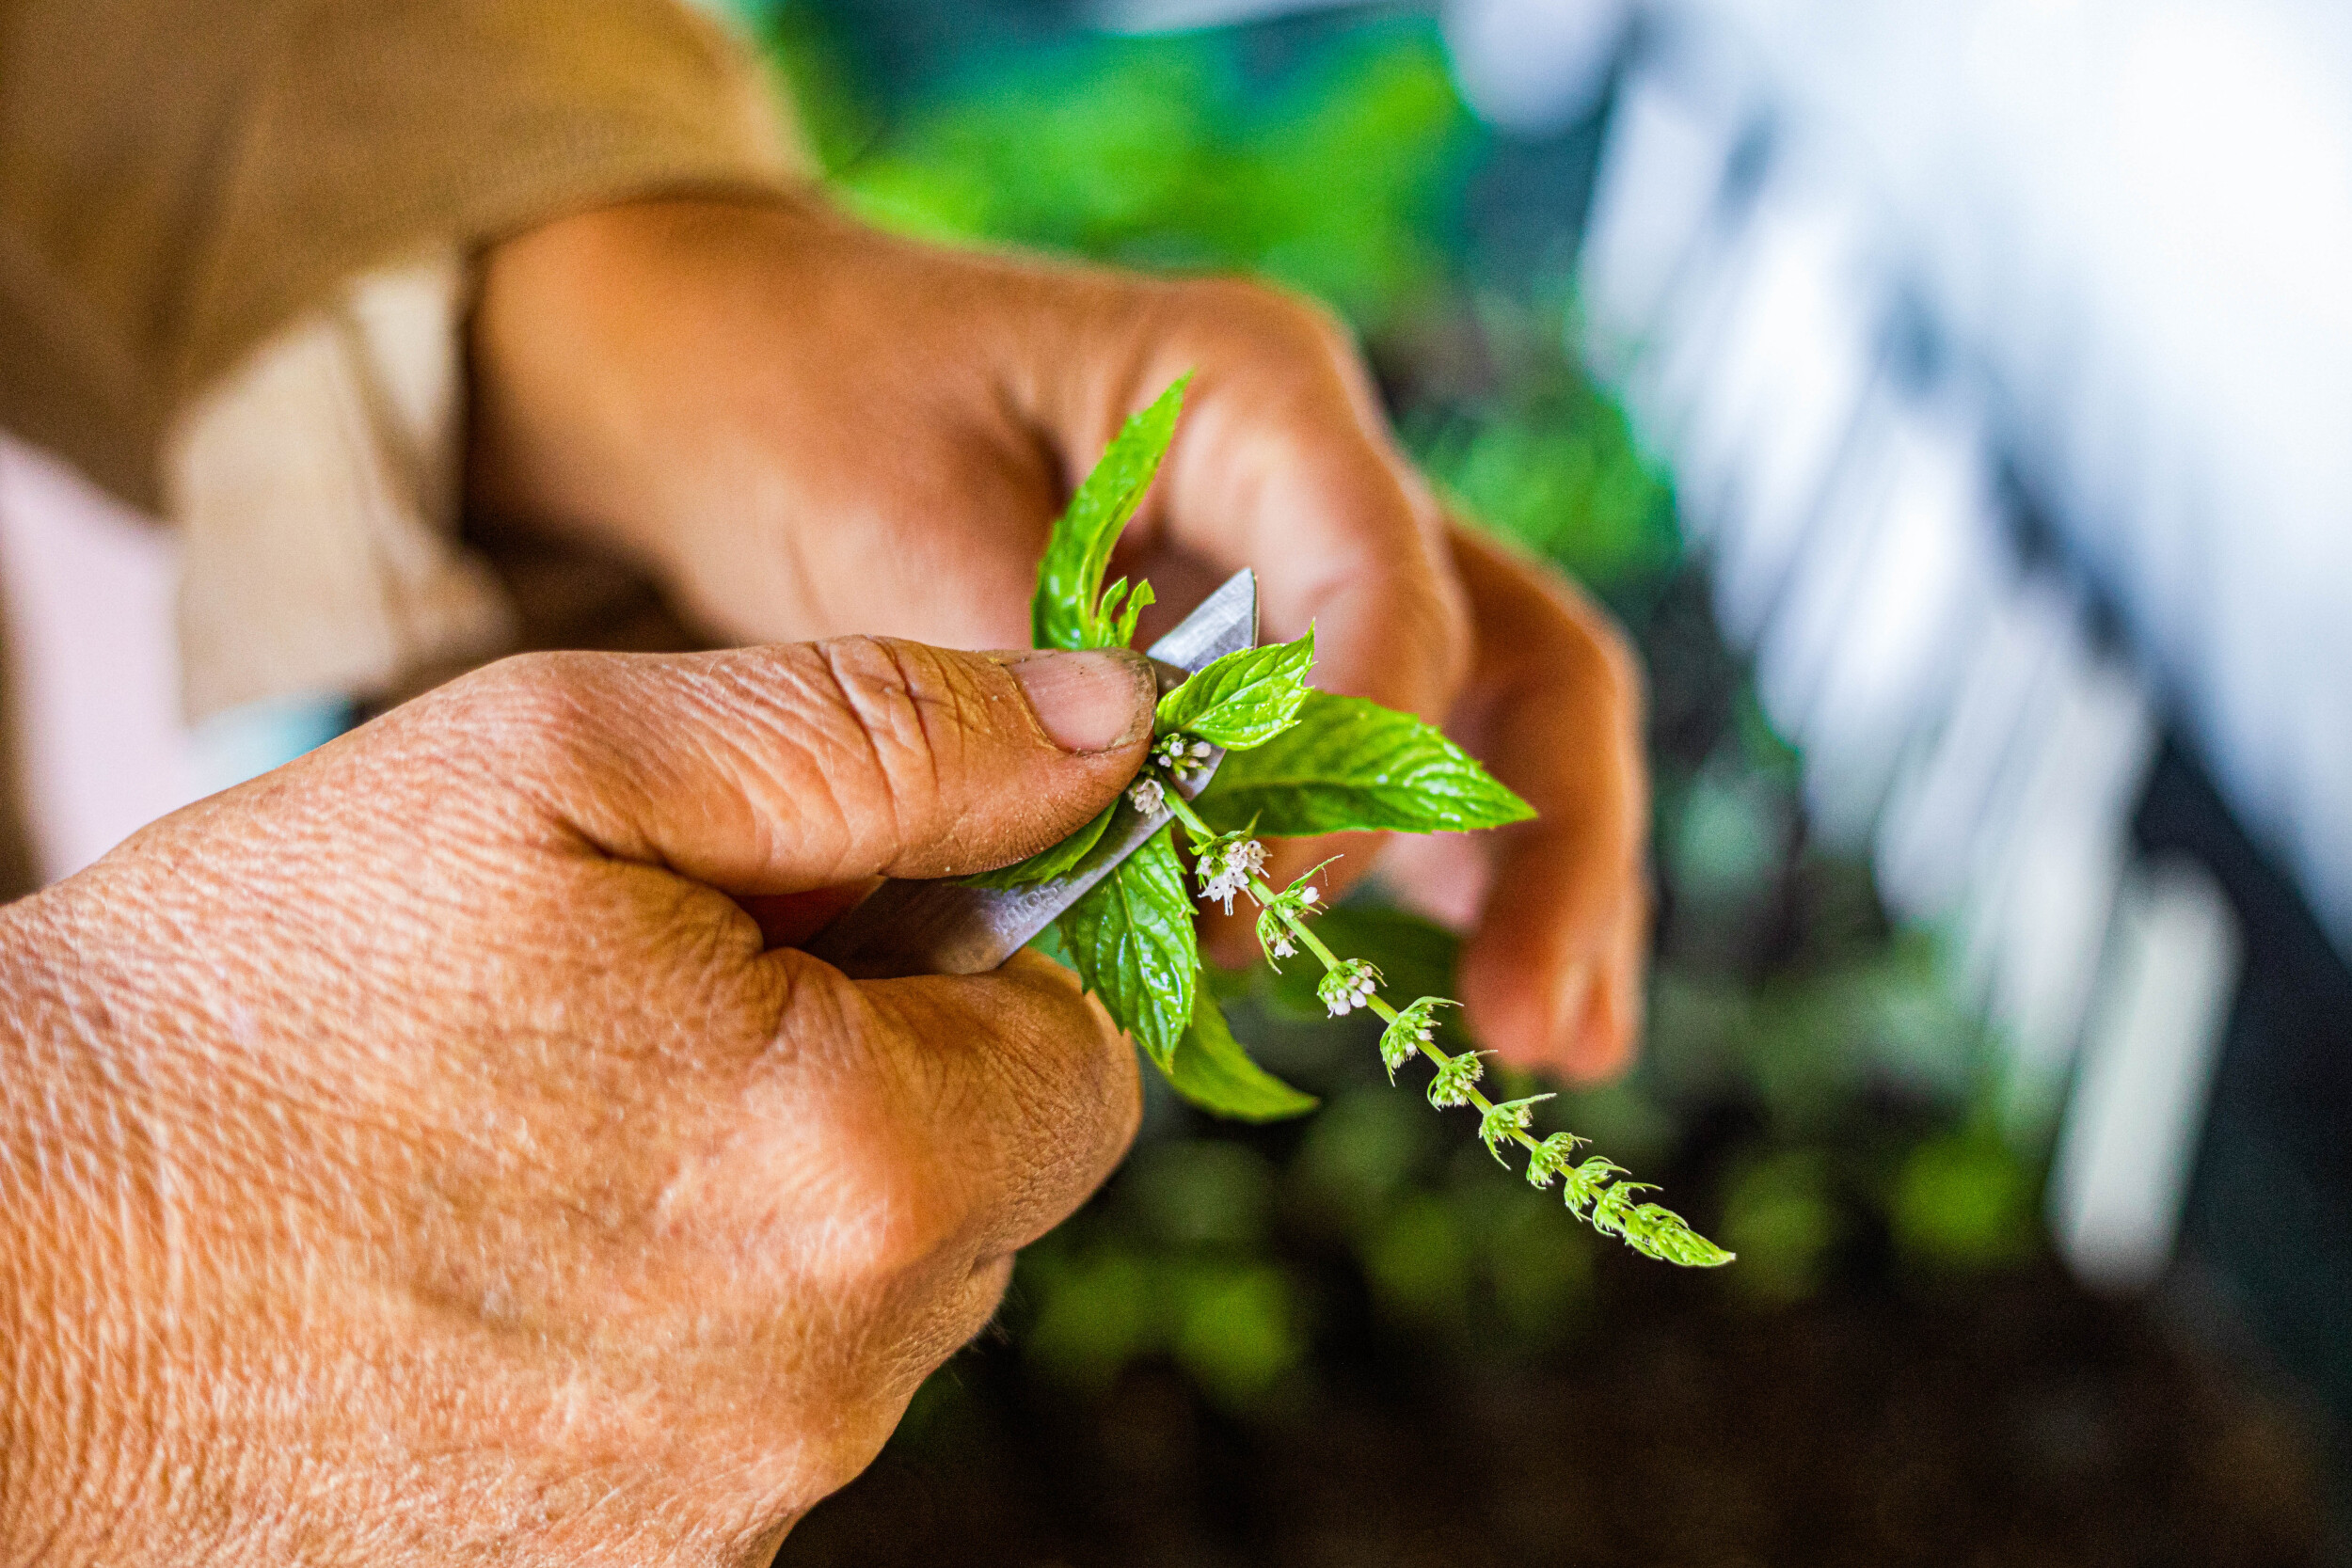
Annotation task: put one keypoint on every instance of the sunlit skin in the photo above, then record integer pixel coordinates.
(809, 428)
(413, 1157)
(425, 1154)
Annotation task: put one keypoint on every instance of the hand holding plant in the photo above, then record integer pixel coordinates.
(807, 428)
(1297, 763)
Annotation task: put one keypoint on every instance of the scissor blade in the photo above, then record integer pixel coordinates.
(946, 927)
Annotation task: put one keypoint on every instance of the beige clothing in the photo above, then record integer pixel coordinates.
(180, 179)
(235, 244)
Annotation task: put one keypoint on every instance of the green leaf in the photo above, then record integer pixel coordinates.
(1211, 1070)
(1131, 940)
(1245, 698)
(1054, 861)
(1347, 764)
(1066, 611)
(1122, 618)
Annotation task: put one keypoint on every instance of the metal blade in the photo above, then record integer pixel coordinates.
(946, 927)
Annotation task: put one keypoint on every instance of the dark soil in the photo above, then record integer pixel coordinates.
(2009, 1422)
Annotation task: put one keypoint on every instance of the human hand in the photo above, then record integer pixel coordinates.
(413, 1155)
(808, 428)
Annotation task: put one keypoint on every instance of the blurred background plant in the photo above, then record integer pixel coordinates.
(1356, 1289)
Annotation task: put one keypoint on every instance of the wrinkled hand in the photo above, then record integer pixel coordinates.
(808, 428)
(411, 1156)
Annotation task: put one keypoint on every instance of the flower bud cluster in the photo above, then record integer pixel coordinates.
(1458, 1079)
(1180, 756)
(1548, 1159)
(1413, 1029)
(1347, 986)
(1286, 909)
(1227, 864)
(1501, 1124)
(1147, 794)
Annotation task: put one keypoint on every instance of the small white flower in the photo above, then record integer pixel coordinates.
(1283, 949)
(1146, 796)
(1200, 747)
(1306, 895)
(1226, 870)
(1348, 986)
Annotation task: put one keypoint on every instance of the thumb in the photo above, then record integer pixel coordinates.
(777, 769)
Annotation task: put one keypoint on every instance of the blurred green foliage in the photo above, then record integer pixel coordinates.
(1810, 1089)
(1171, 154)
(1522, 441)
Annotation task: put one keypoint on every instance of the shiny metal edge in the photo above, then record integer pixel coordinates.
(946, 926)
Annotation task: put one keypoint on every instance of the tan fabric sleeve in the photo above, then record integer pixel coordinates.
(180, 179)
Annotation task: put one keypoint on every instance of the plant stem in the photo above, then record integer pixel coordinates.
(1259, 889)
(1649, 1227)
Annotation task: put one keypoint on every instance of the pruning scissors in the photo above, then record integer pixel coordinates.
(947, 926)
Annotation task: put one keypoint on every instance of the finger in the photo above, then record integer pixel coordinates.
(1282, 463)
(1031, 1083)
(1550, 977)
(1605, 1038)
(952, 1119)
(777, 769)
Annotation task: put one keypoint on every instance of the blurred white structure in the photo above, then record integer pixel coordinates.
(1969, 328)
(1869, 278)
(2124, 1160)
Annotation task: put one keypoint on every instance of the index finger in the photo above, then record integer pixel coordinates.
(980, 1110)
(1282, 463)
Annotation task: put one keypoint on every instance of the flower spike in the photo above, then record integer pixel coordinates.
(1546, 1159)
(1598, 1191)
(1348, 986)
(1502, 1123)
(1458, 1079)
(1409, 1034)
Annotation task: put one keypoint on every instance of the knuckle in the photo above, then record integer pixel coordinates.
(885, 1166)
(541, 701)
(875, 1214)
(1615, 668)
(1261, 314)
(904, 1230)
(524, 727)
(1286, 350)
